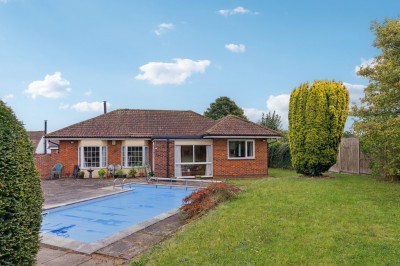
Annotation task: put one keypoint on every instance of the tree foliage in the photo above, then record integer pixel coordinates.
(21, 196)
(317, 115)
(378, 123)
(222, 107)
(271, 121)
(279, 155)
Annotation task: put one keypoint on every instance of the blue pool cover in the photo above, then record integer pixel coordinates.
(97, 219)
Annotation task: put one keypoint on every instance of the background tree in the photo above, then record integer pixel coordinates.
(378, 123)
(271, 121)
(222, 107)
(20, 193)
(317, 116)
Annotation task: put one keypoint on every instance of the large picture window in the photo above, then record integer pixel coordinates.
(92, 156)
(241, 149)
(134, 156)
(193, 160)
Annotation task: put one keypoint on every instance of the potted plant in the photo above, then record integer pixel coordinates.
(120, 173)
(81, 174)
(102, 173)
(132, 172)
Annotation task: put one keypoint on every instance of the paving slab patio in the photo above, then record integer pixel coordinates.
(120, 252)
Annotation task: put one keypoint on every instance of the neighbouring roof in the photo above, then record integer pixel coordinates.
(35, 137)
(131, 123)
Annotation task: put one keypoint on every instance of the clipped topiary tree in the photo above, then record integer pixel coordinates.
(21, 196)
(317, 116)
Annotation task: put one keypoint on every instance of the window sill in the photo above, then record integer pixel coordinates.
(242, 158)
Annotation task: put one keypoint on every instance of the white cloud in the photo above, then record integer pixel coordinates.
(8, 97)
(354, 86)
(279, 104)
(163, 28)
(53, 86)
(89, 107)
(236, 48)
(235, 11)
(253, 114)
(364, 63)
(88, 93)
(3, 1)
(356, 92)
(159, 73)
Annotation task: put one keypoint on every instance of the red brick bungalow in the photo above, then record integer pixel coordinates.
(171, 143)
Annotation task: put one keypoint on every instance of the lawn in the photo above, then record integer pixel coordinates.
(285, 219)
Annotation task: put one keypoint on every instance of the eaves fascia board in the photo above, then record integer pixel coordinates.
(239, 137)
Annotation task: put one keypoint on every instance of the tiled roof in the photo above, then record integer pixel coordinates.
(35, 137)
(234, 126)
(128, 123)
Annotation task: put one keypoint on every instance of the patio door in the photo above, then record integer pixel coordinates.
(193, 160)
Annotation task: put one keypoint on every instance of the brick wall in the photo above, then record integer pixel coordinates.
(114, 152)
(161, 158)
(67, 155)
(44, 162)
(223, 167)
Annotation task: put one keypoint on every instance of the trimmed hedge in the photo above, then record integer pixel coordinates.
(279, 155)
(21, 196)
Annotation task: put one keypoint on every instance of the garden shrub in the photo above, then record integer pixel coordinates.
(197, 203)
(279, 155)
(21, 196)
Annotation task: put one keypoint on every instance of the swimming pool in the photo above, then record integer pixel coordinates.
(95, 220)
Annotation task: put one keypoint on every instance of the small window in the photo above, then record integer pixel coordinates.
(241, 149)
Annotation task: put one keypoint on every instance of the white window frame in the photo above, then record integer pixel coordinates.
(246, 157)
(103, 157)
(208, 163)
(124, 157)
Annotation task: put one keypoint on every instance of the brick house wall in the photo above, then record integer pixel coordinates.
(68, 153)
(223, 167)
(114, 152)
(164, 164)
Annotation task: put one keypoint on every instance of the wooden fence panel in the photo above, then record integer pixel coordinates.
(350, 158)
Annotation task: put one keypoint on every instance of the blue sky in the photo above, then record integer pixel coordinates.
(60, 59)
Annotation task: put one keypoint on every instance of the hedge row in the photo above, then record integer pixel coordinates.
(279, 155)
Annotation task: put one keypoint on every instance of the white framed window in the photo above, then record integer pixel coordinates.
(193, 160)
(135, 156)
(241, 149)
(92, 156)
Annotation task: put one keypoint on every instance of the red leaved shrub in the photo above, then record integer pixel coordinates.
(200, 201)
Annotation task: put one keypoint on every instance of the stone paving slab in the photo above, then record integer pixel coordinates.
(67, 259)
(47, 254)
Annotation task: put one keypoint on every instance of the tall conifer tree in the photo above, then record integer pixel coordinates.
(317, 116)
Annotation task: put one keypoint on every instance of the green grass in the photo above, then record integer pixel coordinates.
(285, 219)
